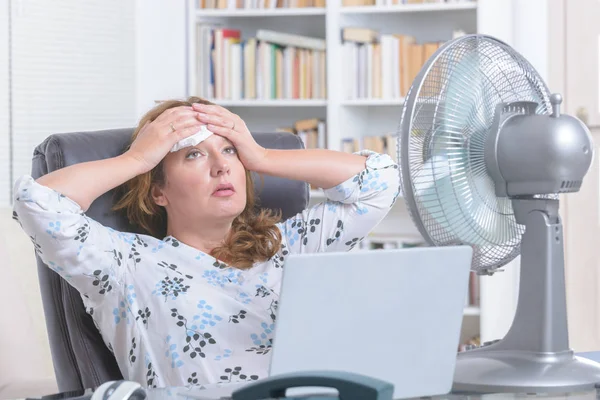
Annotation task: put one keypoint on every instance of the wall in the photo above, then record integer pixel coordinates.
(4, 98)
(531, 33)
(160, 52)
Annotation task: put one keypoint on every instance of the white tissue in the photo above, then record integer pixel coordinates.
(193, 140)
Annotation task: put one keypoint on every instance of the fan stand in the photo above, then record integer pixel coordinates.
(534, 356)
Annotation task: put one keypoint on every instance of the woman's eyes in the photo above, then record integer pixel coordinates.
(196, 153)
(193, 154)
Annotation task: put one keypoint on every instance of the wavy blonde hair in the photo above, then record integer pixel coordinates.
(253, 237)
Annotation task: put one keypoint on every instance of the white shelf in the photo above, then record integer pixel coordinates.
(373, 102)
(277, 12)
(472, 311)
(270, 103)
(408, 8)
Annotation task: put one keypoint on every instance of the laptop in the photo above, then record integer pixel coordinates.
(395, 315)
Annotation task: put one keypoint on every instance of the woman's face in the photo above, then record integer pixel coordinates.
(202, 183)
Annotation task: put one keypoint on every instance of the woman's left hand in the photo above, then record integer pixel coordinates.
(223, 122)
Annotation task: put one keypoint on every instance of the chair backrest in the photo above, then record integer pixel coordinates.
(81, 359)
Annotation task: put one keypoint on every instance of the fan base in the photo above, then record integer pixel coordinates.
(503, 371)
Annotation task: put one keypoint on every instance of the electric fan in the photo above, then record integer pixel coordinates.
(484, 152)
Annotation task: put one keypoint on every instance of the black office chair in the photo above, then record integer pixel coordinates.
(81, 360)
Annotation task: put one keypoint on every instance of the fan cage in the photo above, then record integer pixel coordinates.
(448, 113)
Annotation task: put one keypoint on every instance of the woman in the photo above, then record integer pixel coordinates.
(193, 301)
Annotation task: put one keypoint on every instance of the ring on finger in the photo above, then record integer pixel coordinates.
(172, 127)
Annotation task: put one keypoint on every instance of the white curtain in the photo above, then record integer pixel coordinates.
(4, 101)
(72, 68)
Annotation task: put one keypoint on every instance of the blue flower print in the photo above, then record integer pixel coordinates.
(120, 313)
(226, 354)
(171, 352)
(332, 205)
(361, 210)
(243, 297)
(375, 160)
(200, 255)
(293, 232)
(131, 296)
(161, 244)
(263, 342)
(126, 237)
(207, 318)
(233, 276)
(371, 181)
(380, 161)
(219, 278)
(346, 191)
(59, 270)
(267, 330)
(263, 277)
(53, 227)
(214, 278)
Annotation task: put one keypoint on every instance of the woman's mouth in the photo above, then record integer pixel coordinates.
(224, 190)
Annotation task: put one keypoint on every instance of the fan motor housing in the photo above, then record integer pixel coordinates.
(540, 154)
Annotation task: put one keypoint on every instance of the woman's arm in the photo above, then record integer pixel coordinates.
(89, 255)
(85, 182)
(320, 168)
(351, 209)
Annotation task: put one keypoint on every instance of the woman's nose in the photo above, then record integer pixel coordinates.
(220, 165)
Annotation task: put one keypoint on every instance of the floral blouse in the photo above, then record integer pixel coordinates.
(173, 315)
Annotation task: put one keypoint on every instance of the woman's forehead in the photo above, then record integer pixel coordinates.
(214, 140)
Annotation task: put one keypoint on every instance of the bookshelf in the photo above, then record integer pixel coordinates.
(277, 12)
(373, 102)
(271, 103)
(347, 118)
(408, 8)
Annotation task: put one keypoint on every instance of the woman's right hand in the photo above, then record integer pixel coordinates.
(157, 138)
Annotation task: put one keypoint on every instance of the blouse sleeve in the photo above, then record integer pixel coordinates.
(89, 256)
(351, 209)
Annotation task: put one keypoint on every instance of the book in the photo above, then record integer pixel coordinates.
(384, 68)
(228, 67)
(353, 3)
(359, 35)
(258, 4)
(289, 39)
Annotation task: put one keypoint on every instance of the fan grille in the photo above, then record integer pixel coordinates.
(445, 121)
